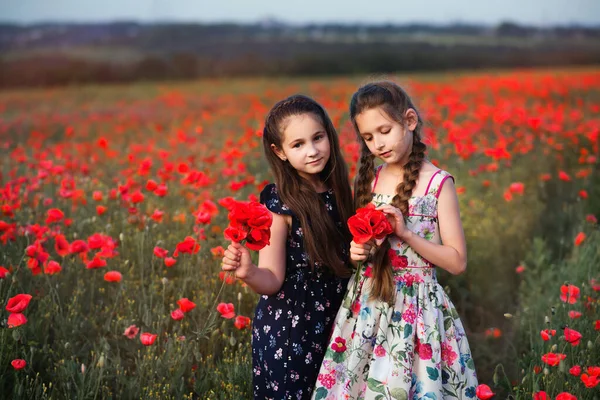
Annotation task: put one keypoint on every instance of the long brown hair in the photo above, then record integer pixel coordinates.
(394, 101)
(321, 235)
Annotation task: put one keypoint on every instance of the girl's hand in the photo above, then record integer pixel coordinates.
(237, 259)
(360, 252)
(396, 219)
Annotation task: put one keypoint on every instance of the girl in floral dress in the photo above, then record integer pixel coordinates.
(397, 335)
(302, 275)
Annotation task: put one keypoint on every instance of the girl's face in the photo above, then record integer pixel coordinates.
(386, 138)
(305, 145)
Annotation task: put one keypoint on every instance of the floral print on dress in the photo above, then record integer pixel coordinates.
(291, 328)
(415, 348)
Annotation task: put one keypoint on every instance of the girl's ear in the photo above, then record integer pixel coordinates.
(278, 152)
(411, 118)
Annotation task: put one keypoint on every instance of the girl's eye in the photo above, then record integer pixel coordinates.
(297, 145)
(385, 132)
(368, 139)
(318, 137)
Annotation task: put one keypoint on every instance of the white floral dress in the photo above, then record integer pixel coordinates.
(416, 349)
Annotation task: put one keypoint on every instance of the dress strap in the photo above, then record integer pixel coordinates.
(437, 182)
(431, 180)
(376, 177)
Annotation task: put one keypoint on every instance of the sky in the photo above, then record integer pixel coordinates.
(532, 12)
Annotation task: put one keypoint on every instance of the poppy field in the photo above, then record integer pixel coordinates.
(114, 199)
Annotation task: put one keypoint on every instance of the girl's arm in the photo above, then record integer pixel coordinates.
(268, 276)
(452, 254)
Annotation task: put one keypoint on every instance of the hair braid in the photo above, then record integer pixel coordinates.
(364, 177)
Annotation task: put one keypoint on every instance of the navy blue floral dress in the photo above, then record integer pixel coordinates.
(291, 328)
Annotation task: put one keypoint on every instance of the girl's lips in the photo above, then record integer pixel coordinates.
(314, 162)
(387, 153)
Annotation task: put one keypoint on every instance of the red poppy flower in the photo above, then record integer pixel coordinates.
(157, 215)
(100, 210)
(575, 370)
(241, 322)
(484, 392)
(15, 320)
(131, 331)
(572, 336)
(96, 262)
(52, 268)
(54, 215)
(161, 190)
(520, 269)
(3, 272)
(160, 252)
(177, 314)
(258, 238)
(61, 245)
(151, 185)
(226, 310)
(188, 246)
(595, 371)
(590, 381)
(553, 359)
(541, 395)
(227, 202)
(186, 305)
(18, 303)
(18, 363)
(218, 251)
(574, 314)
(517, 187)
(113, 276)
(547, 334)
(569, 293)
(170, 261)
(229, 278)
(369, 223)
(235, 233)
(147, 339)
(79, 246)
(566, 396)
(579, 238)
(137, 197)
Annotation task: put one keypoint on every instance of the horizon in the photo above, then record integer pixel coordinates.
(595, 25)
(539, 13)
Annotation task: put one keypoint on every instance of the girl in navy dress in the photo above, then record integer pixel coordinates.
(302, 275)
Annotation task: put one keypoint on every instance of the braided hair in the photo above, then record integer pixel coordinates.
(394, 101)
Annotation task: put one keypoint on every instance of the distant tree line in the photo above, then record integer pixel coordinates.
(50, 55)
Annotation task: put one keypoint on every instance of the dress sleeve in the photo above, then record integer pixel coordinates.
(270, 198)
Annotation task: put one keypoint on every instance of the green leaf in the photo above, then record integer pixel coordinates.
(399, 394)
(407, 331)
(375, 386)
(470, 364)
(433, 373)
(447, 323)
(321, 393)
(337, 357)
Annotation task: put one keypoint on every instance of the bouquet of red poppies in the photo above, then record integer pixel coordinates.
(366, 225)
(250, 225)
(249, 221)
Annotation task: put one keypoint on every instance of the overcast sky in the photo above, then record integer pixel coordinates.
(536, 12)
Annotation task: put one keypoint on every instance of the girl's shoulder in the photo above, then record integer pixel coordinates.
(270, 198)
(436, 178)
